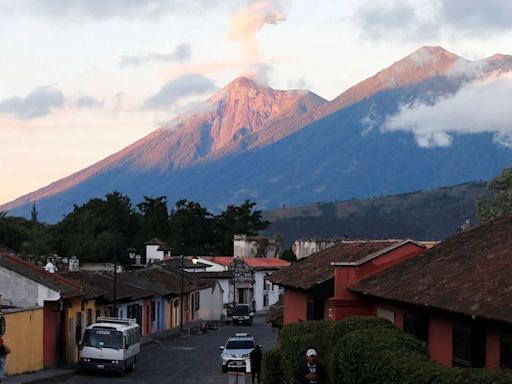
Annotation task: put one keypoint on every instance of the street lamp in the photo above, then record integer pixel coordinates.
(194, 261)
(131, 254)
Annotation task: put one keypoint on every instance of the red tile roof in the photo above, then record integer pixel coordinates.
(255, 262)
(316, 269)
(469, 273)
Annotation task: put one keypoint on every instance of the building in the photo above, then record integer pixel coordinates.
(256, 246)
(313, 290)
(455, 296)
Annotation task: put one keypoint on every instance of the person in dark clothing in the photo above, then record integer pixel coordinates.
(256, 356)
(311, 372)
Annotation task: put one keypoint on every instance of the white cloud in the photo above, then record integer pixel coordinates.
(180, 54)
(180, 88)
(39, 102)
(476, 108)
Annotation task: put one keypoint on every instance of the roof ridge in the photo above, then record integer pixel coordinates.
(56, 276)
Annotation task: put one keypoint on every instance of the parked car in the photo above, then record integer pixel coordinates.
(237, 349)
(243, 314)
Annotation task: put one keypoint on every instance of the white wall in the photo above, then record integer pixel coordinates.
(24, 292)
(210, 303)
(153, 254)
(305, 247)
(260, 292)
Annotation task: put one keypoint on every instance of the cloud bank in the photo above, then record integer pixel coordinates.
(420, 19)
(39, 102)
(180, 54)
(180, 88)
(104, 9)
(477, 108)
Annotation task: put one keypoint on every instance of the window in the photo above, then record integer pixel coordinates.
(468, 345)
(265, 300)
(89, 316)
(506, 352)
(416, 324)
(197, 301)
(152, 311)
(98, 313)
(386, 314)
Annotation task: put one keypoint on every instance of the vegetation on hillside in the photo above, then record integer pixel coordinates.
(497, 199)
(423, 215)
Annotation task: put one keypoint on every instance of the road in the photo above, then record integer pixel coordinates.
(194, 359)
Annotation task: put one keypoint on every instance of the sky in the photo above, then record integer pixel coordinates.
(82, 79)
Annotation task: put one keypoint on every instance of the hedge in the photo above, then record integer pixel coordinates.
(365, 350)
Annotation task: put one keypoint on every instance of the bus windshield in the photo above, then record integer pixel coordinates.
(103, 338)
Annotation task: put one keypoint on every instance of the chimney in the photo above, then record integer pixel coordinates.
(74, 264)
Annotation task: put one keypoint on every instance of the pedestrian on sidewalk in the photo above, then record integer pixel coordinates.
(4, 351)
(311, 372)
(256, 356)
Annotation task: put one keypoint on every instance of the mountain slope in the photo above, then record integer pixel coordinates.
(292, 147)
(422, 215)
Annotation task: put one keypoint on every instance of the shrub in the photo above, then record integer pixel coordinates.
(271, 367)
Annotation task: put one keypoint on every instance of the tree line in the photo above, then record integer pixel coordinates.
(99, 228)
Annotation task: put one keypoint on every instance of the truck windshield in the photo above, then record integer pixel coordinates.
(103, 338)
(242, 310)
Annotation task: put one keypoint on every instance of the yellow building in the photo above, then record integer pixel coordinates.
(24, 336)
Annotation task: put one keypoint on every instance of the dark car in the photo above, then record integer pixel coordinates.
(243, 314)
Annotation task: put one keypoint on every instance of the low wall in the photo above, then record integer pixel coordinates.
(24, 336)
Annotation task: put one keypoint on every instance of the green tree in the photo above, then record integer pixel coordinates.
(34, 213)
(238, 219)
(192, 228)
(90, 231)
(497, 199)
(155, 218)
(287, 255)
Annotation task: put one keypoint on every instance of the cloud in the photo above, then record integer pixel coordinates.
(248, 21)
(394, 18)
(421, 19)
(471, 15)
(477, 108)
(37, 103)
(178, 89)
(105, 9)
(87, 102)
(181, 53)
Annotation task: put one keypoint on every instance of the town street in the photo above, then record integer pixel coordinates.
(195, 359)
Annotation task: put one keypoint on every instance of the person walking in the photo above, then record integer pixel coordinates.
(311, 372)
(256, 356)
(4, 351)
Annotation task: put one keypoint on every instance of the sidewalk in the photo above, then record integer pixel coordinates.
(58, 375)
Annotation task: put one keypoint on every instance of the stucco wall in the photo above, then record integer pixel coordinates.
(23, 292)
(295, 306)
(24, 335)
(210, 303)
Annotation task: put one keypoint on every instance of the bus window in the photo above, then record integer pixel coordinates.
(103, 338)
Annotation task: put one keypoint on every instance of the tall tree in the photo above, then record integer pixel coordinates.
(34, 213)
(192, 228)
(155, 218)
(239, 219)
(497, 199)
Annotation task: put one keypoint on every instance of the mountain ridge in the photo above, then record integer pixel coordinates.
(276, 135)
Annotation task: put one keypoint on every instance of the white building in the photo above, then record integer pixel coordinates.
(157, 250)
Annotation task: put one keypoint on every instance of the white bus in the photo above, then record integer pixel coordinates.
(111, 344)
